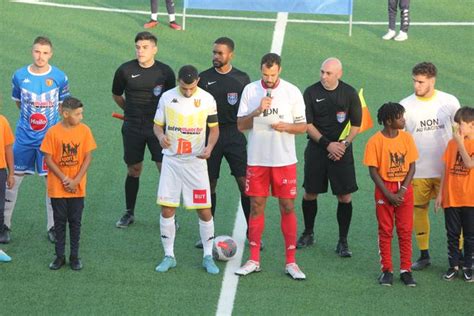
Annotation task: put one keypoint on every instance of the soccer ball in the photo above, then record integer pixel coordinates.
(224, 248)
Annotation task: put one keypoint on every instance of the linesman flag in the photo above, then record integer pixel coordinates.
(366, 123)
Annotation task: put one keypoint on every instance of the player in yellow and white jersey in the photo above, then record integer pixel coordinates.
(429, 114)
(180, 125)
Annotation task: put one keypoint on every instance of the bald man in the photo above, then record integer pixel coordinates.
(331, 105)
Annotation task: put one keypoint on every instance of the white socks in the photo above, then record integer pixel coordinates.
(10, 200)
(49, 208)
(206, 230)
(168, 234)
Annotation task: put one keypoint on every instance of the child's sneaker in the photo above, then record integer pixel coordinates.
(167, 263)
(249, 267)
(386, 278)
(467, 274)
(450, 274)
(209, 265)
(408, 279)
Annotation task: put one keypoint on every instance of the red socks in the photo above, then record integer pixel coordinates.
(256, 226)
(289, 229)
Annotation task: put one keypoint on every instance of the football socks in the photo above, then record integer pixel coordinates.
(421, 225)
(344, 216)
(206, 231)
(131, 190)
(168, 233)
(245, 200)
(256, 227)
(213, 203)
(289, 229)
(310, 209)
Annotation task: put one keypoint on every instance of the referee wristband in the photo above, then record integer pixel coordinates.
(324, 141)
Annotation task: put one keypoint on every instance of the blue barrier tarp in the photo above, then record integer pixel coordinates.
(338, 7)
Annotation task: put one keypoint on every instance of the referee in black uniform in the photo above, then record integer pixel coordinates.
(330, 105)
(137, 88)
(226, 83)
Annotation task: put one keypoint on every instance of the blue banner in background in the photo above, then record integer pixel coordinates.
(338, 7)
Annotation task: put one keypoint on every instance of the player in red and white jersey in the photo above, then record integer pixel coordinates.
(180, 125)
(429, 115)
(273, 111)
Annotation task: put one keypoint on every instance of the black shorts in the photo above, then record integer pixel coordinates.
(319, 169)
(232, 145)
(135, 138)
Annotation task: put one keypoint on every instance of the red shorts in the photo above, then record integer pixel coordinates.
(282, 180)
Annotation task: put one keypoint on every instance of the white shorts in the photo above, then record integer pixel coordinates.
(188, 176)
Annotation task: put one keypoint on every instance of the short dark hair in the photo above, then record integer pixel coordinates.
(389, 111)
(43, 40)
(225, 41)
(426, 69)
(465, 114)
(146, 36)
(270, 59)
(72, 103)
(188, 74)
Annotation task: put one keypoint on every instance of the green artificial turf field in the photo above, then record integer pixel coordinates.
(118, 275)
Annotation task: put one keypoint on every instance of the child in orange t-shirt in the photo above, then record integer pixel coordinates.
(390, 155)
(6, 178)
(67, 148)
(456, 194)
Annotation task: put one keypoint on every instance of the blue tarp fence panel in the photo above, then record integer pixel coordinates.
(335, 7)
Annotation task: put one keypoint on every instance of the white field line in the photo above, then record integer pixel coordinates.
(230, 280)
(234, 18)
(279, 33)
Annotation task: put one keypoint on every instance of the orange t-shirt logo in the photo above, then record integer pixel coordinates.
(69, 155)
(184, 146)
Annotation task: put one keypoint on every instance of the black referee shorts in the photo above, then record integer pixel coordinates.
(319, 169)
(135, 138)
(232, 145)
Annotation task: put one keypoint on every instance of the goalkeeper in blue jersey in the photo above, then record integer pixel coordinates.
(38, 90)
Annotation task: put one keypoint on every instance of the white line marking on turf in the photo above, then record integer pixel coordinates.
(279, 32)
(230, 281)
(234, 18)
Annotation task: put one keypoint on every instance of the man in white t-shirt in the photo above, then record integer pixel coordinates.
(273, 111)
(429, 114)
(184, 112)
